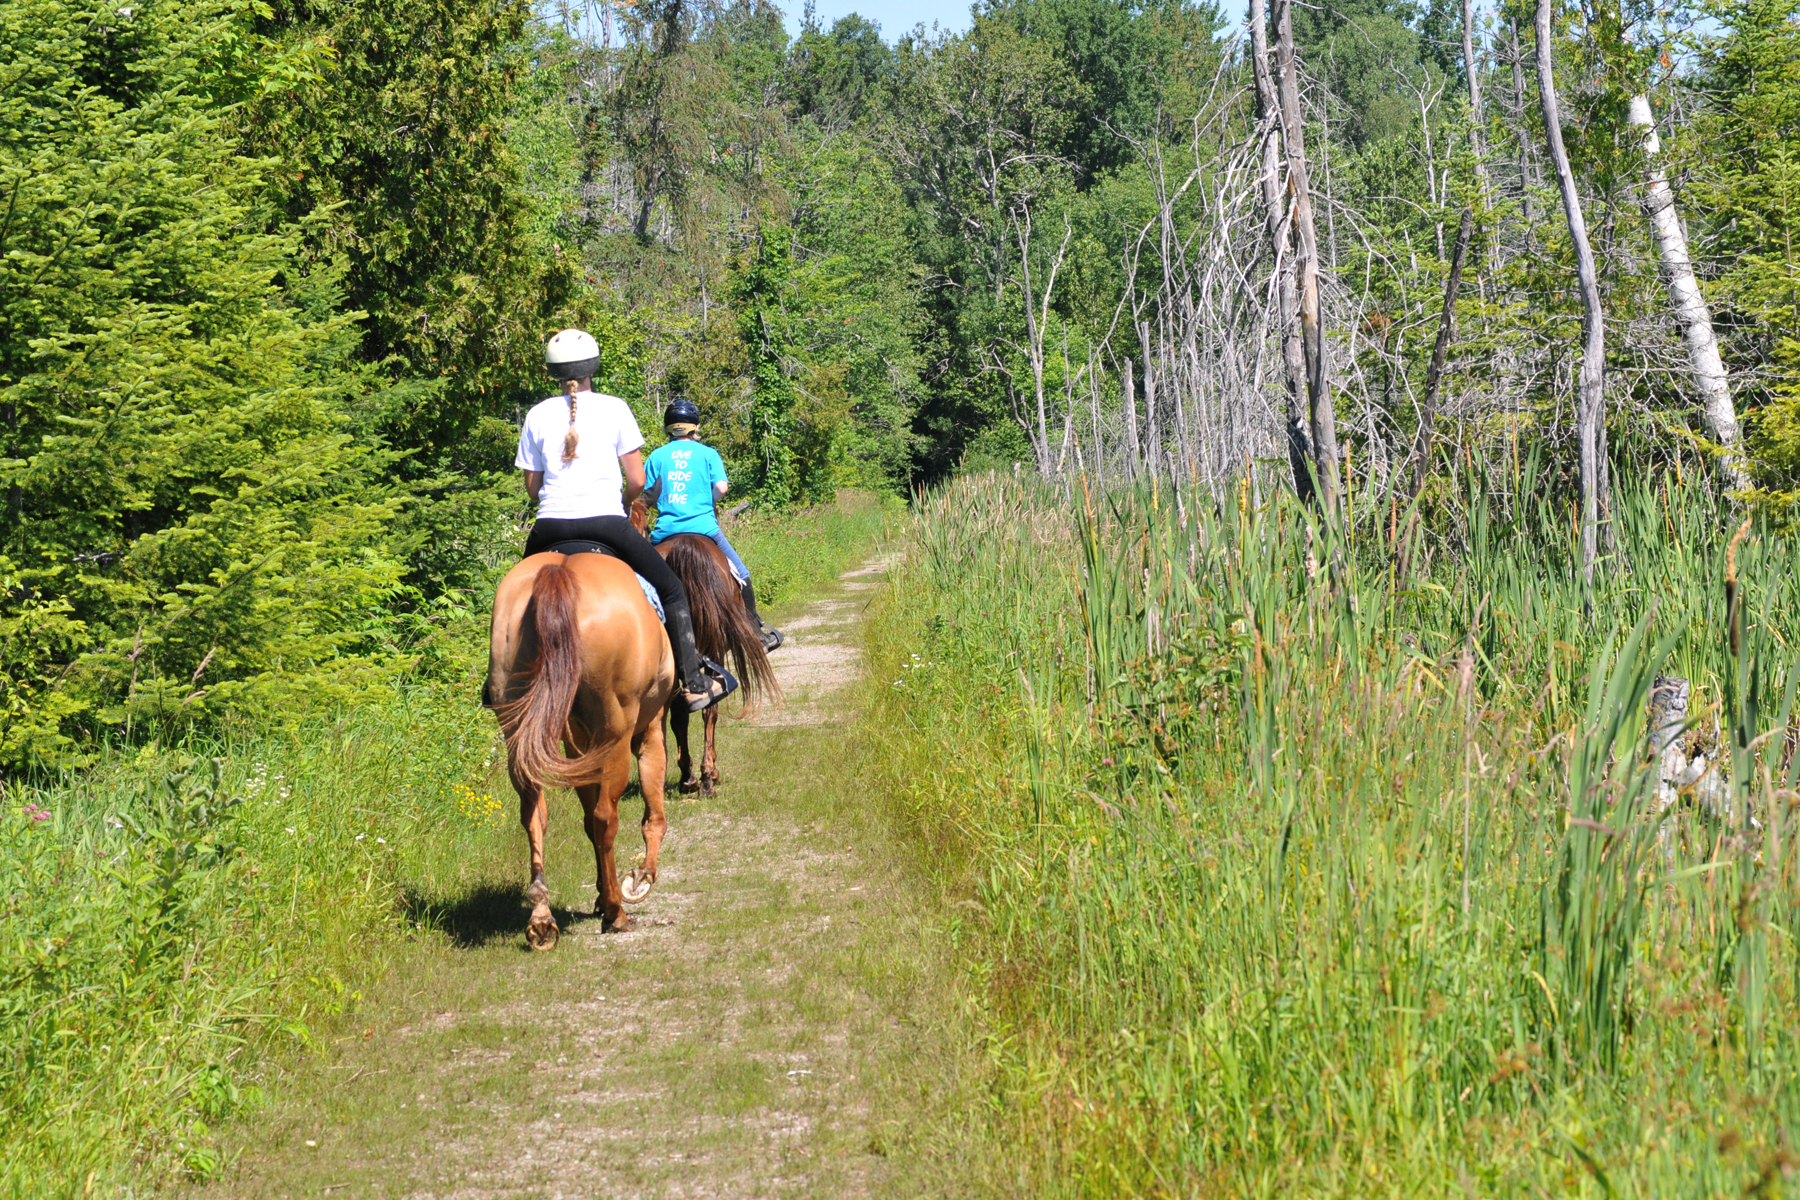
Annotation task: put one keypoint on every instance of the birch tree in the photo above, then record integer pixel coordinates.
(1690, 306)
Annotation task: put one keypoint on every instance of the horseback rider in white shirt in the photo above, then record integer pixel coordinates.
(582, 458)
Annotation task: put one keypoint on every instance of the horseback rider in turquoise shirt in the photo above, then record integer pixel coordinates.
(685, 479)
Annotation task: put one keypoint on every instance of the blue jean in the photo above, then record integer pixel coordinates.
(731, 556)
(738, 570)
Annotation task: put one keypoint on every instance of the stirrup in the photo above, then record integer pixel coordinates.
(720, 683)
(771, 638)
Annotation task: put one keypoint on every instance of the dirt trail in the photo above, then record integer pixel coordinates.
(730, 1046)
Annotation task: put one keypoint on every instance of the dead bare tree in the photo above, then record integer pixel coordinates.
(1036, 300)
(1472, 71)
(1134, 461)
(1434, 374)
(1524, 144)
(1275, 218)
(1306, 245)
(1591, 409)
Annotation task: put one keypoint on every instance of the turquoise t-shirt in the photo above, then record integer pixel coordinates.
(687, 471)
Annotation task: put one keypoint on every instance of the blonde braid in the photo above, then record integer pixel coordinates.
(572, 437)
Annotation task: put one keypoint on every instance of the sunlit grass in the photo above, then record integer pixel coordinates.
(156, 947)
(793, 553)
(167, 932)
(1304, 865)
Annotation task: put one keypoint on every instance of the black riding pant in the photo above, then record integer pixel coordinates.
(634, 549)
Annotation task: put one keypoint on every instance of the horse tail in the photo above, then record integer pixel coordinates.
(536, 723)
(722, 628)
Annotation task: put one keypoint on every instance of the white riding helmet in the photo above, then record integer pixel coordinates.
(572, 354)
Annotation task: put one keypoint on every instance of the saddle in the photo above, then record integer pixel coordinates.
(586, 546)
(580, 546)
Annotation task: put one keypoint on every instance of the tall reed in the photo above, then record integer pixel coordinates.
(1330, 858)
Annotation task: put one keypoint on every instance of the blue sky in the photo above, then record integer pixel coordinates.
(898, 16)
(894, 16)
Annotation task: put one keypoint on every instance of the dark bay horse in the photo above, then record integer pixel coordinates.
(578, 659)
(723, 631)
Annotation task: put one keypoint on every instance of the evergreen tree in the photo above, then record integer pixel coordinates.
(190, 529)
(759, 292)
(395, 157)
(1747, 148)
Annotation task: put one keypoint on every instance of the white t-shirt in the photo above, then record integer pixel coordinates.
(589, 485)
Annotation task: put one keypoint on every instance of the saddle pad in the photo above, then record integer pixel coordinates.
(584, 547)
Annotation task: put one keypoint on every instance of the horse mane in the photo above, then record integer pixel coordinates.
(722, 628)
(536, 723)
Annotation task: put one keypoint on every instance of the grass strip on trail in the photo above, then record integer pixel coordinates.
(774, 1023)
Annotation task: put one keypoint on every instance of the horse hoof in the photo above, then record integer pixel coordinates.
(709, 788)
(636, 886)
(618, 924)
(542, 935)
(689, 786)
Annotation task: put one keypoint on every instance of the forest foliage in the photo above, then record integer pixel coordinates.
(274, 277)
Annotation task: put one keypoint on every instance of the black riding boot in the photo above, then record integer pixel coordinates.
(771, 637)
(694, 673)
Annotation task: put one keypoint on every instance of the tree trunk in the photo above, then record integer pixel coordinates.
(1094, 422)
(1434, 375)
(1153, 448)
(1134, 462)
(1477, 130)
(1591, 413)
(1037, 317)
(1268, 114)
(1690, 307)
(1306, 265)
(1518, 73)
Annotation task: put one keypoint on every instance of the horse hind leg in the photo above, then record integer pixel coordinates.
(541, 932)
(709, 762)
(601, 802)
(653, 763)
(678, 718)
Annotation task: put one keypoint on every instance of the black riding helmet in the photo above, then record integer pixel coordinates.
(681, 411)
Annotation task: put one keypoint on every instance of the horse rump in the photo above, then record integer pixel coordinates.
(536, 723)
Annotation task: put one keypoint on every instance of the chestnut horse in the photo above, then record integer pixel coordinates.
(578, 659)
(722, 630)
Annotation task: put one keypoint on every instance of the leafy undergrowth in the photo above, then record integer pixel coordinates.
(1284, 885)
(175, 917)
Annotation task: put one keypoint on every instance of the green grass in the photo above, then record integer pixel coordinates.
(170, 926)
(794, 553)
(1299, 864)
(166, 929)
(777, 1022)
